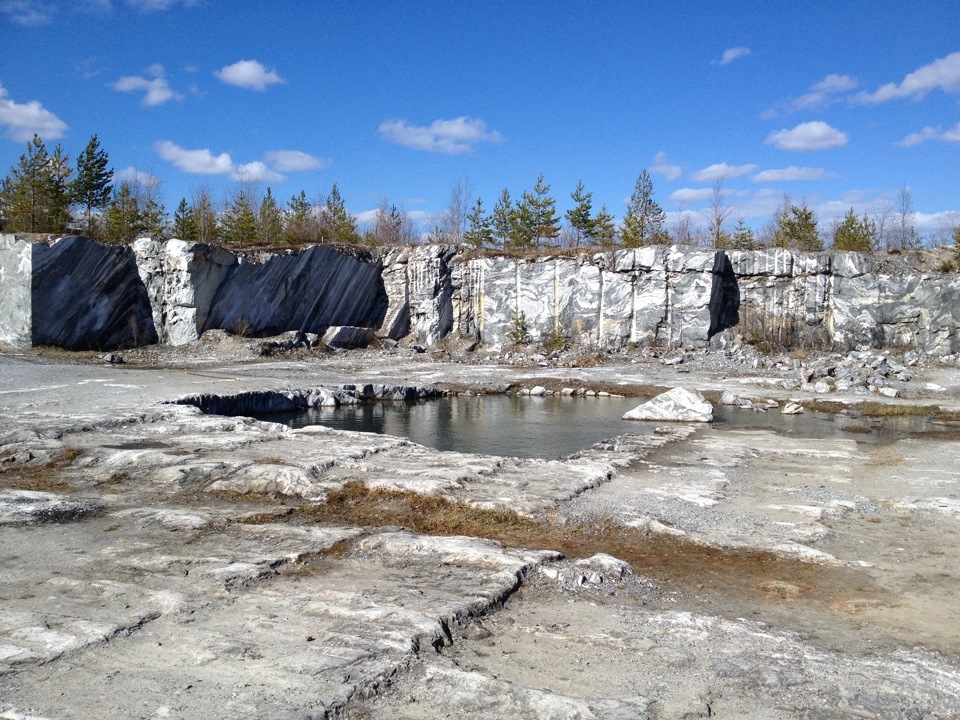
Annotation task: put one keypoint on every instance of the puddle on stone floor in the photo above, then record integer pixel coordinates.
(554, 426)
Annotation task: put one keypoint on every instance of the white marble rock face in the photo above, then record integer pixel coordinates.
(16, 307)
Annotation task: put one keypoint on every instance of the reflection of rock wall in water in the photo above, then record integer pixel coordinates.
(652, 296)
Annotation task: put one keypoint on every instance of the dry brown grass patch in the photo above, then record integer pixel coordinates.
(679, 562)
(43, 478)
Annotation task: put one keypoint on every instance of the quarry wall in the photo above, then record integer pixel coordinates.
(78, 294)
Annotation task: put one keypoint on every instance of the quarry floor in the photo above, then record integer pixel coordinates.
(156, 562)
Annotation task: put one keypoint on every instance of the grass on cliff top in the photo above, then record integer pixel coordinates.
(678, 561)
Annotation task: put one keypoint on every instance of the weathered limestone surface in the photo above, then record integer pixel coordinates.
(653, 296)
(87, 296)
(158, 567)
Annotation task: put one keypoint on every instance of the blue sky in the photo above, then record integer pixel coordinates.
(838, 103)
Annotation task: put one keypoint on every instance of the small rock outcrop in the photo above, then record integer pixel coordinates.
(347, 338)
(676, 405)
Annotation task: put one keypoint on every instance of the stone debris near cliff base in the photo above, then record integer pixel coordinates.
(676, 405)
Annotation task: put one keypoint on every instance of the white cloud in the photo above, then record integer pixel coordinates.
(942, 74)
(661, 166)
(204, 162)
(157, 90)
(32, 13)
(22, 121)
(196, 162)
(792, 173)
(454, 137)
(928, 223)
(731, 54)
(420, 215)
(932, 133)
(834, 83)
(131, 174)
(158, 5)
(815, 135)
(368, 217)
(721, 171)
(249, 74)
(294, 161)
(691, 195)
(826, 92)
(29, 13)
(256, 171)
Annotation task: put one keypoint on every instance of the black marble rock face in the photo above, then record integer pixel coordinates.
(88, 296)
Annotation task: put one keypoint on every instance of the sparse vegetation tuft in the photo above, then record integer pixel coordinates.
(662, 557)
(518, 333)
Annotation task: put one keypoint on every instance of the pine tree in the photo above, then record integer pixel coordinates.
(546, 222)
(122, 217)
(743, 238)
(643, 223)
(23, 194)
(91, 188)
(604, 230)
(479, 226)
(523, 223)
(205, 217)
(269, 221)
(395, 222)
(58, 195)
(502, 219)
(339, 225)
(239, 220)
(184, 222)
(800, 228)
(580, 215)
(297, 226)
(857, 234)
(388, 227)
(781, 237)
(152, 213)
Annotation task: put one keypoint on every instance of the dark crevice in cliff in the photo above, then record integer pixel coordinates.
(724, 296)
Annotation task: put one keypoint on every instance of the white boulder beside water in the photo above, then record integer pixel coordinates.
(676, 405)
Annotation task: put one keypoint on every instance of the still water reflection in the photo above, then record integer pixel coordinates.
(554, 426)
(539, 427)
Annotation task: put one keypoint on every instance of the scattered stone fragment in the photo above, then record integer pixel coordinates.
(676, 405)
